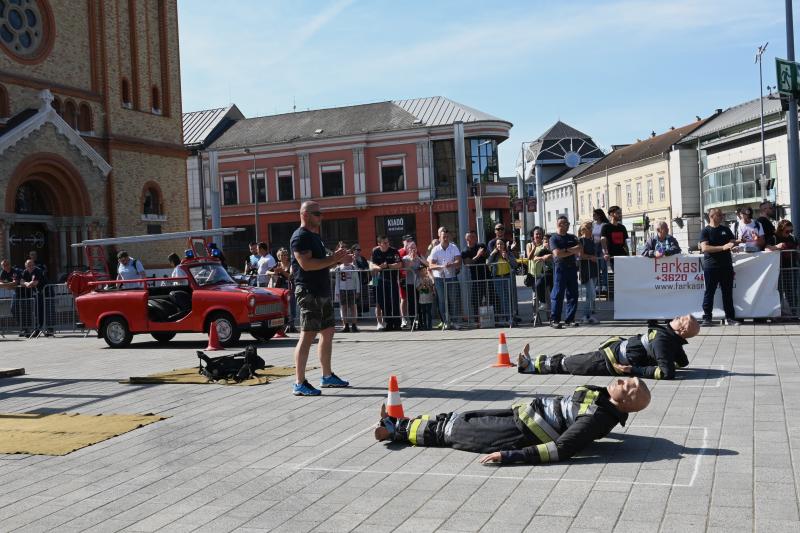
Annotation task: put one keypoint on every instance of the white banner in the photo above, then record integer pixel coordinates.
(647, 288)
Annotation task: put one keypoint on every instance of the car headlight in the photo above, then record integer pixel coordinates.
(251, 301)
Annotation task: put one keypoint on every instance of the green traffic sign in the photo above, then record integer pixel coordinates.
(787, 76)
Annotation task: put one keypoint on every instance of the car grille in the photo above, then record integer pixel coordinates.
(269, 309)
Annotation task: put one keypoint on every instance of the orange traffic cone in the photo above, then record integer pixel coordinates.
(394, 407)
(281, 333)
(213, 338)
(502, 353)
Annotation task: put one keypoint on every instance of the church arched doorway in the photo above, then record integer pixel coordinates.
(50, 208)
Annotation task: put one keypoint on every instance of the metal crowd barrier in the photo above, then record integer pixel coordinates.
(20, 312)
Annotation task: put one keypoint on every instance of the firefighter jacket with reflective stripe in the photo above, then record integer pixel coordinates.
(561, 426)
(654, 354)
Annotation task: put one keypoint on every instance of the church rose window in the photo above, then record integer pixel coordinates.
(24, 31)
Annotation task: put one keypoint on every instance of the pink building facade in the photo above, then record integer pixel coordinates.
(395, 175)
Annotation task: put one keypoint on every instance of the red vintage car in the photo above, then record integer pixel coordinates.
(163, 307)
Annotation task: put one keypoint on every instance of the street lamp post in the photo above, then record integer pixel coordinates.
(255, 190)
(522, 195)
(763, 179)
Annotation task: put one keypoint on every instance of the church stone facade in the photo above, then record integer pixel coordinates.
(90, 128)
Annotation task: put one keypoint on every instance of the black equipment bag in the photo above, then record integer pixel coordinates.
(236, 367)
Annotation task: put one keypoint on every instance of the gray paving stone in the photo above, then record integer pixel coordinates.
(217, 467)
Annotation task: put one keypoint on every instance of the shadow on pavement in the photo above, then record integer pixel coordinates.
(693, 373)
(630, 448)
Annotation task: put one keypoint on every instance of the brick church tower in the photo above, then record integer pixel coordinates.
(90, 127)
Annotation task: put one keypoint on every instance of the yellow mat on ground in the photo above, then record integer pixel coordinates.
(60, 434)
(191, 375)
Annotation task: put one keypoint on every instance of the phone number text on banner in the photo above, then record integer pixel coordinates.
(666, 287)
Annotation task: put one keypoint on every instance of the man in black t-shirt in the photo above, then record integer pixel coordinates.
(32, 286)
(767, 215)
(614, 236)
(716, 242)
(386, 260)
(474, 256)
(311, 264)
(565, 247)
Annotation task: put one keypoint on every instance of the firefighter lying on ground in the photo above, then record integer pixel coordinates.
(546, 429)
(654, 354)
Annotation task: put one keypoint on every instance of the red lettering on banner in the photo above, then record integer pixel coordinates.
(670, 265)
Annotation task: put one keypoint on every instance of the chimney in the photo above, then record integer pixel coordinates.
(717, 111)
(653, 133)
(671, 128)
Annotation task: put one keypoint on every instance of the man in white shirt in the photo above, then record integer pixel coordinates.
(749, 233)
(265, 264)
(129, 268)
(445, 261)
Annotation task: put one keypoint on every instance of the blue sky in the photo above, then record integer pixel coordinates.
(615, 70)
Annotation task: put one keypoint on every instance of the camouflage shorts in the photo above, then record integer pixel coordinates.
(316, 312)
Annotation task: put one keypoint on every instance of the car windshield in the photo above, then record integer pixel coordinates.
(210, 274)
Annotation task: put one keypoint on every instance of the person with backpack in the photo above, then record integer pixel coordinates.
(130, 268)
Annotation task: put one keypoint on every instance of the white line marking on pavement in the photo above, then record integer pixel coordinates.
(468, 375)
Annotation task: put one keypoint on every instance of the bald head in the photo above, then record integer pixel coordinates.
(685, 326)
(629, 395)
(310, 215)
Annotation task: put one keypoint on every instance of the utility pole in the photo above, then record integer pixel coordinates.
(763, 177)
(791, 128)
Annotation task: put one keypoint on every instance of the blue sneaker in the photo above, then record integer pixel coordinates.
(305, 389)
(333, 381)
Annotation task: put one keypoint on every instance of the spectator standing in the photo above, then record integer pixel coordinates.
(363, 269)
(425, 290)
(33, 283)
(541, 258)
(786, 244)
(386, 260)
(587, 267)
(502, 264)
(767, 215)
(130, 268)
(251, 264)
(749, 233)
(281, 278)
(444, 261)
(34, 256)
(566, 248)
(346, 289)
(662, 243)
(599, 220)
(412, 262)
(310, 263)
(614, 236)
(716, 243)
(9, 280)
(404, 314)
(499, 233)
(474, 256)
(265, 264)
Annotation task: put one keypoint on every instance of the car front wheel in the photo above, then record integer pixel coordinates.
(228, 332)
(116, 332)
(263, 334)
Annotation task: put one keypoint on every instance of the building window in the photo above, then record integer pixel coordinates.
(56, 103)
(603, 200)
(482, 158)
(548, 216)
(4, 107)
(638, 193)
(582, 205)
(285, 184)
(126, 94)
(151, 202)
(84, 118)
(591, 202)
(628, 195)
(261, 178)
(597, 197)
(156, 100)
(154, 229)
(618, 193)
(332, 180)
(649, 191)
(662, 192)
(342, 229)
(280, 233)
(444, 168)
(70, 114)
(24, 31)
(230, 191)
(393, 175)
(566, 212)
